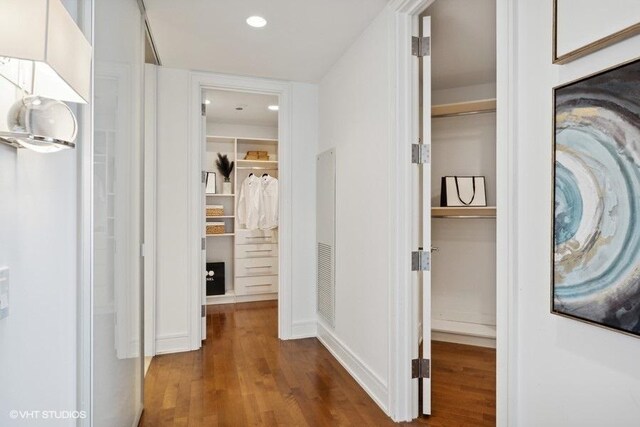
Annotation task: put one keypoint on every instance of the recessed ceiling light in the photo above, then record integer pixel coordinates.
(273, 107)
(256, 21)
(207, 102)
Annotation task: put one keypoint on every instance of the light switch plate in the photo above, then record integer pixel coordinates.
(4, 292)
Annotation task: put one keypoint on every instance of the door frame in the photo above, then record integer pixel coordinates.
(404, 325)
(203, 81)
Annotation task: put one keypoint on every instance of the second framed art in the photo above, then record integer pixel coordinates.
(596, 203)
(581, 27)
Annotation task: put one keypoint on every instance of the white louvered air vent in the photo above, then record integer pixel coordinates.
(326, 288)
(326, 236)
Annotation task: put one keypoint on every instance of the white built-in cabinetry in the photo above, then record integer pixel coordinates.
(250, 256)
(464, 238)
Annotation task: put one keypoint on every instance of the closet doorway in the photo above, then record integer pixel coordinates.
(240, 197)
(455, 206)
(248, 120)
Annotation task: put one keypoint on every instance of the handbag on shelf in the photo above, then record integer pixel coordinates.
(463, 191)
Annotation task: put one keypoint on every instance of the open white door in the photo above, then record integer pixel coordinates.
(425, 195)
(203, 226)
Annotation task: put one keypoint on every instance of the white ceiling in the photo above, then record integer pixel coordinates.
(463, 42)
(302, 40)
(223, 108)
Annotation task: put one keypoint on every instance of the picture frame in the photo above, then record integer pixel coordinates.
(595, 235)
(574, 20)
(210, 183)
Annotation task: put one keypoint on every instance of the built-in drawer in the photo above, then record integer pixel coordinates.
(257, 251)
(246, 267)
(252, 237)
(256, 285)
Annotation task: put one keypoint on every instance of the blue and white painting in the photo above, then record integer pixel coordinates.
(596, 274)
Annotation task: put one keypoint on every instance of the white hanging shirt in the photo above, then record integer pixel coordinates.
(269, 205)
(250, 203)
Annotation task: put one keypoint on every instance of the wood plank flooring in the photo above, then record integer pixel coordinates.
(245, 376)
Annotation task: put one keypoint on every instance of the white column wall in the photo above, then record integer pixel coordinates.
(568, 373)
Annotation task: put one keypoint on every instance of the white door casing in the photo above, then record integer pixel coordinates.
(203, 219)
(425, 193)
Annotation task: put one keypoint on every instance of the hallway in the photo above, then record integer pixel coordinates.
(244, 375)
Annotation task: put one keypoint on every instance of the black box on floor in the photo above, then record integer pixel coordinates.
(215, 278)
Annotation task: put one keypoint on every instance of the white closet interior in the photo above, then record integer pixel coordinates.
(237, 124)
(463, 143)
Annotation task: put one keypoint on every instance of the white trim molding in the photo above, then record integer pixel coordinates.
(506, 221)
(403, 325)
(283, 90)
(375, 386)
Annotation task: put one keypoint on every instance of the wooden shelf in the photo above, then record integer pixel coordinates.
(220, 195)
(221, 235)
(464, 108)
(463, 212)
(221, 217)
(262, 162)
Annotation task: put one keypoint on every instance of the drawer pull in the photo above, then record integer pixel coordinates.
(259, 266)
(253, 286)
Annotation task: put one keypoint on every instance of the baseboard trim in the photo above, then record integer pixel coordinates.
(463, 339)
(304, 329)
(368, 380)
(173, 344)
(231, 298)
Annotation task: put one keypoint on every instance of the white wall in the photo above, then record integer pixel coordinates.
(172, 245)
(568, 373)
(38, 226)
(173, 304)
(246, 131)
(356, 108)
(304, 137)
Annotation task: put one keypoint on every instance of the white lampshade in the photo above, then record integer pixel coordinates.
(43, 51)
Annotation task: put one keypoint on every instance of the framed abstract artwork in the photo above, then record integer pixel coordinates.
(596, 194)
(581, 27)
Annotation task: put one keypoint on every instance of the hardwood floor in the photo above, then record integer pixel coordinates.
(245, 376)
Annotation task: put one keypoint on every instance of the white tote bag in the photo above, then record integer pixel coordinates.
(463, 191)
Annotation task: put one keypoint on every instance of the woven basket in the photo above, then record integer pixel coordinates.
(215, 228)
(215, 210)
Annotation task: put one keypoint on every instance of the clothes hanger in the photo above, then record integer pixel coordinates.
(265, 174)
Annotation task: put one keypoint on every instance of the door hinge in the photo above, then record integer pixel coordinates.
(421, 368)
(420, 261)
(203, 177)
(420, 154)
(203, 311)
(421, 46)
(203, 243)
(204, 109)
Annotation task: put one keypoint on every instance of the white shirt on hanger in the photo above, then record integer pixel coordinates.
(250, 203)
(269, 212)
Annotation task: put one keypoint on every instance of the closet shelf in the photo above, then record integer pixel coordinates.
(221, 216)
(220, 195)
(257, 168)
(221, 235)
(260, 162)
(464, 108)
(467, 212)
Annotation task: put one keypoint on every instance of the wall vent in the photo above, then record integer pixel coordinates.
(326, 236)
(326, 283)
